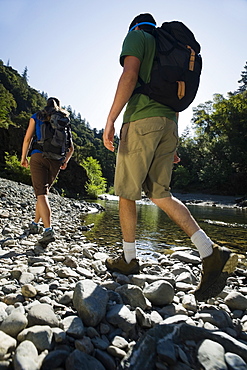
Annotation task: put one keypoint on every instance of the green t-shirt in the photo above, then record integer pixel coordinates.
(142, 45)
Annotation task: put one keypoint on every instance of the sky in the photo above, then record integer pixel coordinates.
(71, 48)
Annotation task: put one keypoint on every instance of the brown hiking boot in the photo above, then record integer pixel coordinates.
(216, 268)
(120, 265)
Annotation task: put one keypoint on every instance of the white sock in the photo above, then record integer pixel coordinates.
(203, 243)
(129, 251)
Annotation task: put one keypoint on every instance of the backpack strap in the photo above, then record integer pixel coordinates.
(139, 24)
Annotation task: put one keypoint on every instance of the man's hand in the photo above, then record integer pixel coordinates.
(108, 136)
(176, 158)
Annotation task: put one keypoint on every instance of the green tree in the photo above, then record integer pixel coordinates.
(14, 171)
(221, 136)
(243, 80)
(96, 184)
(7, 104)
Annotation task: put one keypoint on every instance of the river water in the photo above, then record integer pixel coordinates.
(156, 232)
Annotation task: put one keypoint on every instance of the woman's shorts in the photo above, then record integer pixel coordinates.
(43, 172)
(145, 158)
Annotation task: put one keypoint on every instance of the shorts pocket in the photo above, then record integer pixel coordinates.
(145, 128)
(124, 131)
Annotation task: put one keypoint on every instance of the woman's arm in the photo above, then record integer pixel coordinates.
(68, 156)
(26, 142)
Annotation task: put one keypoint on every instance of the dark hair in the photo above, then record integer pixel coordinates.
(52, 104)
(145, 17)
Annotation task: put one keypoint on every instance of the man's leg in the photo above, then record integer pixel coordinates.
(217, 262)
(128, 220)
(178, 213)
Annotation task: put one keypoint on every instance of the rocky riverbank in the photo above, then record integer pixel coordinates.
(61, 309)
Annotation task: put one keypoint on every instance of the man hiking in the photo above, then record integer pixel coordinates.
(148, 142)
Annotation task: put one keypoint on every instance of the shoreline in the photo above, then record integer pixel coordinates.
(62, 307)
(201, 199)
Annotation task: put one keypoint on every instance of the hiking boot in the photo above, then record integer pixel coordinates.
(34, 229)
(48, 237)
(216, 268)
(120, 265)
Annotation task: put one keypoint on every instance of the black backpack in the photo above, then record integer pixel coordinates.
(177, 66)
(55, 136)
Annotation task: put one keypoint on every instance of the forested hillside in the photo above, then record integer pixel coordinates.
(18, 101)
(213, 156)
(214, 160)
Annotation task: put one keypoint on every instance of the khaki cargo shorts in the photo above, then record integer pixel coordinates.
(43, 172)
(145, 158)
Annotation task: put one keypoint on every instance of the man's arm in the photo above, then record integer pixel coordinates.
(125, 88)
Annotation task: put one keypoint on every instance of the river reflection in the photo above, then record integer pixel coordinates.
(156, 232)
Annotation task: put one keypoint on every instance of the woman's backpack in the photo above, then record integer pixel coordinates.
(55, 136)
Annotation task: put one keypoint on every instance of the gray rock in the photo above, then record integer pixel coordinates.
(42, 289)
(166, 351)
(177, 319)
(84, 272)
(141, 279)
(143, 319)
(100, 343)
(159, 293)
(42, 314)
(67, 298)
(236, 301)
(3, 314)
(37, 270)
(14, 323)
(105, 359)
(55, 359)
(70, 262)
(7, 344)
(155, 318)
(100, 256)
(120, 342)
(189, 302)
(133, 295)
(78, 360)
(84, 345)
(215, 317)
(59, 335)
(65, 272)
(41, 336)
(90, 301)
(26, 277)
(119, 315)
(73, 326)
(211, 355)
(116, 352)
(99, 267)
(186, 277)
(186, 257)
(26, 357)
(234, 362)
